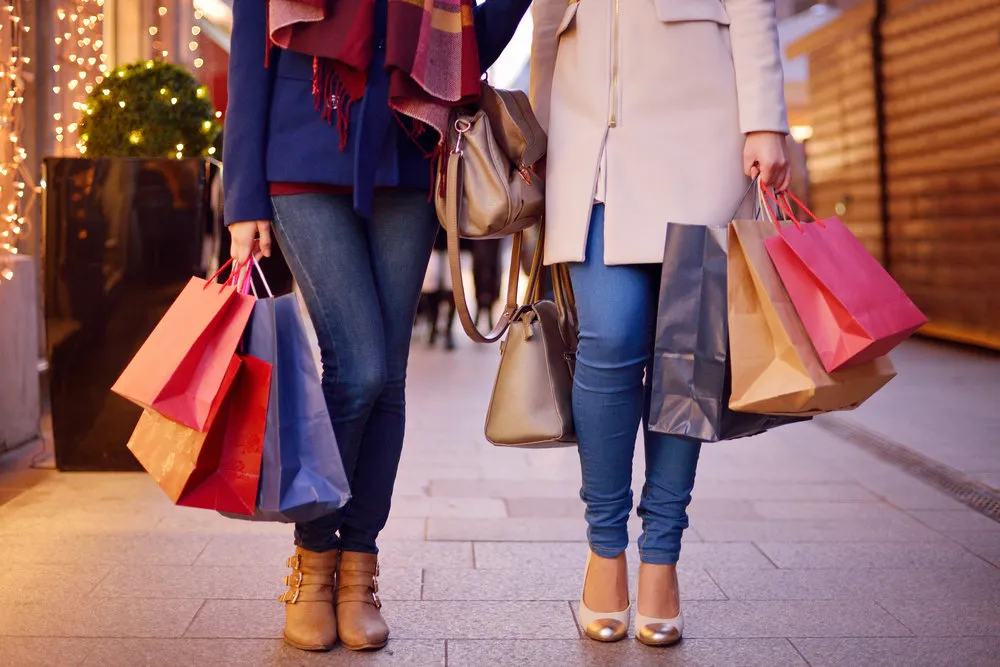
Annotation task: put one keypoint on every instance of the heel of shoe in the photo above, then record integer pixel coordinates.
(603, 626)
(658, 631)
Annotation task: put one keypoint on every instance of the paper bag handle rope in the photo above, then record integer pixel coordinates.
(783, 203)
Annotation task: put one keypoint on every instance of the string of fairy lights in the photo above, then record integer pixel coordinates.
(79, 66)
(17, 189)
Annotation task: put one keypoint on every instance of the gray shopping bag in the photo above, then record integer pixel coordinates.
(691, 374)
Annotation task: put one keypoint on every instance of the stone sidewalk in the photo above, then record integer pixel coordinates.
(803, 550)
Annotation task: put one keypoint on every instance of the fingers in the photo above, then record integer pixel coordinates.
(239, 250)
(264, 237)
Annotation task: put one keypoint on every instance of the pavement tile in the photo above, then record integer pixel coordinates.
(426, 506)
(407, 620)
(540, 584)
(502, 488)
(789, 619)
(708, 488)
(585, 653)
(232, 583)
(573, 555)
(980, 583)
(412, 554)
(21, 583)
(912, 652)
(986, 545)
(247, 550)
(809, 555)
(959, 520)
(44, 651)
(808, 510)
(481, 620)
(63, 521)
(238, 619)
(507, 530)
(142, 547)
(523, 530)
(545, 508)
(97, 617)
(253, 653)
(816, 530)
(946, 617)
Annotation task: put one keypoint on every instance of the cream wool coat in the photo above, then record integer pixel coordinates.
(646, 103)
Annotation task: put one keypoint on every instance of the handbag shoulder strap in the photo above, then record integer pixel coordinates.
(452, 199)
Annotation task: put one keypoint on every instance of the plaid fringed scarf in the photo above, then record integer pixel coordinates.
(431, 55)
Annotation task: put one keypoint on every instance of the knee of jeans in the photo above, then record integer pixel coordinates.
(359, 389)
(611, 348)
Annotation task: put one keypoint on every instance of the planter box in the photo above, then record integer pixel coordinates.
(20, 409)
(122, 237)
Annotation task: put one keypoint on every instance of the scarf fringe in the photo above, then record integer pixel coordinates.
(330, 97)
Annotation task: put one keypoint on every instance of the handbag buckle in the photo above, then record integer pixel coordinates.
(525, 173)
(462, 126)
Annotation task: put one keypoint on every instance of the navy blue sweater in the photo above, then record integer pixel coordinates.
(274, 134)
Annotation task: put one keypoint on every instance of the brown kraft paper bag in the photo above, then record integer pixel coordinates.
(775, 368)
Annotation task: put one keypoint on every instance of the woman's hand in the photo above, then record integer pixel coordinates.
(251, 237)
(766, 154)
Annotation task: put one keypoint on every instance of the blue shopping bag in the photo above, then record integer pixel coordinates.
(302, 476)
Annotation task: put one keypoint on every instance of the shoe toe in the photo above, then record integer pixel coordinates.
(606, 630)
(659, 634)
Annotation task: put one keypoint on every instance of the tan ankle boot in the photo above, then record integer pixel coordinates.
(359, 619)
(310, 620)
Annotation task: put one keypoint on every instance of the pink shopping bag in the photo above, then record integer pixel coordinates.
(851, 308)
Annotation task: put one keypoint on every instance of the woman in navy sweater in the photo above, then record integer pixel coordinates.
(322, 145)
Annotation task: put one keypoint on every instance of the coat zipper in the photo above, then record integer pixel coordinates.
(613, 116)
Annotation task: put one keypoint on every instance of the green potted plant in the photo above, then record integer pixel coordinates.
(126, 226)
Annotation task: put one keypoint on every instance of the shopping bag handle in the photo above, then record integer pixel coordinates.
(764, 199)
(783, 202)
(248, 285)
(232, 279)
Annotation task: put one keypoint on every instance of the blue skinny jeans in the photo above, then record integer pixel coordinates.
(361, 280)
(617, 312)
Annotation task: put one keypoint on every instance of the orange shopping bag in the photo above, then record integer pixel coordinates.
(775, 369)
(218, 469)
(180, 369)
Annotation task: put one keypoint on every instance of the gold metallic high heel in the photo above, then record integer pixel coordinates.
(658, 631)
(602, 626)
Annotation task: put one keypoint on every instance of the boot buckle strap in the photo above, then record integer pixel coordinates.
(294, 562)
(290, 596)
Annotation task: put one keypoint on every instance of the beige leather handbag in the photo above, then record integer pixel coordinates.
(487, 187)
(532, 402)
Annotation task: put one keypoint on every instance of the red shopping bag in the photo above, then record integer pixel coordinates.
(180, 369)
(851, 308)
(218, 469)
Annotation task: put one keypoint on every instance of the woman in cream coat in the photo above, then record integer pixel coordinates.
(657, 111)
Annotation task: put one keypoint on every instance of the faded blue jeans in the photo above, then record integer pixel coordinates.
(361, 281)
(617, 311)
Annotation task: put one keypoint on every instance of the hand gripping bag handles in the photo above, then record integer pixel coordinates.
(532, 402)
(302, 475)
(487, 188)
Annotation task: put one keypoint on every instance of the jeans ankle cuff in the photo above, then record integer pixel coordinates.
(606, 553)
(659, 558)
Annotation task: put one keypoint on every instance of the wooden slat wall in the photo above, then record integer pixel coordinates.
(842, 155)
(942, 106)
(942, 132)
